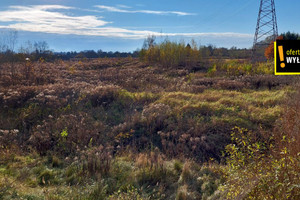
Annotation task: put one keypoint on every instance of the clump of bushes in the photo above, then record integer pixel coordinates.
(239, 68)
(170, 54)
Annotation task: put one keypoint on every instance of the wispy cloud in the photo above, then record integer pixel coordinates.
(122, 9)
(43, 17)
(123, 6)
(53, 19)
(45, 7)
(225, 35)
(48, 19)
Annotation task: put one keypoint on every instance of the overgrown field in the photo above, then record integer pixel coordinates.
(126, 129)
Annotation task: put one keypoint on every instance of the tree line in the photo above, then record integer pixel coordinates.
(40, 49)
(168, 53)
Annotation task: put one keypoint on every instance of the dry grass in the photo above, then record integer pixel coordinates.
(74, 114)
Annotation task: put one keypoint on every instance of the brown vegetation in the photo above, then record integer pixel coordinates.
(122, 128)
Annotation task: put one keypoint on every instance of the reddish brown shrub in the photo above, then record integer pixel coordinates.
(230, 85)
(102, 95)
(67, 134)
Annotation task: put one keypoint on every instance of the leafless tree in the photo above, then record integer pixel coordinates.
(41, 47)
(12, 40)
(8, 41)
(27, 48)
(149, 42)
(11, 43)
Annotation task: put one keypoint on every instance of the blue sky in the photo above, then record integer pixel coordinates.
(122, 25)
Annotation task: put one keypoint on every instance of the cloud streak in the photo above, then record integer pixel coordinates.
(154, 12)
(36, 17)
(52, 19)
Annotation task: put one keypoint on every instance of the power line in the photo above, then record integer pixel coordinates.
(266, 26)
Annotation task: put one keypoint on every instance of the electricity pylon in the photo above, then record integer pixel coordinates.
(266, 27)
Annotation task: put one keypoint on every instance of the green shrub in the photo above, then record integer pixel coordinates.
(178, 166)
(99, 192)
(263, 170)
(46, 177)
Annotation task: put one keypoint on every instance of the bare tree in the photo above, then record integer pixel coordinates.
(41, 47)
(8, 41)
(12, 40)
(2, 47)
(149, 42)
(27, 48)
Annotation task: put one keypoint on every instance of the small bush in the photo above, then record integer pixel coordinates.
(102, 95)
(97, 161)
(46, 177)
(99, 192)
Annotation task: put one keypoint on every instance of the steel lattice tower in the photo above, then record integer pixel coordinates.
(266, 25)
